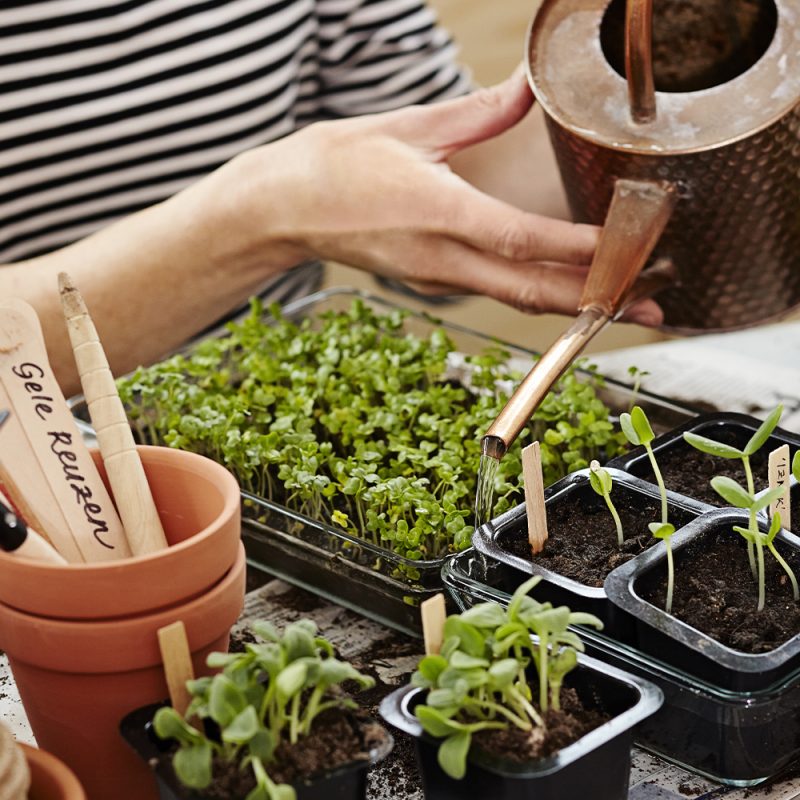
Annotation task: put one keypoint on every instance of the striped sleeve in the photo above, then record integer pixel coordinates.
(377, 55)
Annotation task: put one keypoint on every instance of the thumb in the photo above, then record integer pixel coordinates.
(453, 125)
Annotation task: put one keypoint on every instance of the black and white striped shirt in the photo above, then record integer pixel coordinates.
(108, 106)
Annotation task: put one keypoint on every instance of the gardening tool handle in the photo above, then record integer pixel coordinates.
(637, 215)
(639, 60)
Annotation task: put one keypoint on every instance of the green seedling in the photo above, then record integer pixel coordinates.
(271, 693)
(721, 450)
(601, 482)
(664, 531)
(636, 375)
(479, 681)
(637, 430)
(739, 497)
(796, 466)
(353, 420)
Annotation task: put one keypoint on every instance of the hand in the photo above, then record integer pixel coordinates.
(376, 192)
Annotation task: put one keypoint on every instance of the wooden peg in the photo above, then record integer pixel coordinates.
(126, 476)
(779, 472)
(46, 471)
(534, 497)
(177, 658)
(433, 616)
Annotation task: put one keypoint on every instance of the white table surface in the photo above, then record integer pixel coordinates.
(748, 371)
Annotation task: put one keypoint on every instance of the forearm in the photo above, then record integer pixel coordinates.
(151, 280)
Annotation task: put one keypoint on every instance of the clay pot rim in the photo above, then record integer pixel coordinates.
(151, 454)
(46, 762)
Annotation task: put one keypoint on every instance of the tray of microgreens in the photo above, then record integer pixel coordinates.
(354, 427)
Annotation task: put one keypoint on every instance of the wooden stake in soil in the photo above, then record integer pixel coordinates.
(534, 497)
(45, 468)
(177, 658)
(123, 465)
(433, 617)
(779, 471)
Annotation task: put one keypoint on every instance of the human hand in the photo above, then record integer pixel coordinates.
(376, 192)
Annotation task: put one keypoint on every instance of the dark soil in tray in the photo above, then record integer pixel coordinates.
(582, 537)
(339, 738)
(689, 472)
(715, 592)
(563, 728)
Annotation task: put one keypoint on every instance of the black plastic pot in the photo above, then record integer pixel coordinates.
(736, 738)
(729, 428)
(494, 540)
(348, 782)
(662, 635)
(597, 766)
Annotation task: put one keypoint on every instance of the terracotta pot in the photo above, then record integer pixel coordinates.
(199, 505)
(51, 779)
(77, 679)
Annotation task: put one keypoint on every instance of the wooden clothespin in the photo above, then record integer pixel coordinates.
(178, 668)
(779, 471)
(534, 497)
(45, 469)
(434, 614)
(126, 476)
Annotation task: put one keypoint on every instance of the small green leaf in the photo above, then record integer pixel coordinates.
(661, 530)
(628, 430)
(764, 431)
(484, 615)
(768, 498)
(193, 765)
(452, 756)
(434, 722)
(242, 728)
(460, 660)
(712, 448)
(291, 679)
(731, 492)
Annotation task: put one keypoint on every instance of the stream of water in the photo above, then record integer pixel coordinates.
(484, 494)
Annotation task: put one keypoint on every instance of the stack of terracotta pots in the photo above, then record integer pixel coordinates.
(82, 639)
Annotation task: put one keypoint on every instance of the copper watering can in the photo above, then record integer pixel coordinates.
(708, 124)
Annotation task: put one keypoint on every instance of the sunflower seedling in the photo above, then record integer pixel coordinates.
(722, 450)
(601, 482)
(735, 494)
(637, 430)
(271, 693)
(479, 680)
(664, 530)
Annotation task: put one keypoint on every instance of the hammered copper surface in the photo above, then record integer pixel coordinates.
(732, 150)
(734, 235)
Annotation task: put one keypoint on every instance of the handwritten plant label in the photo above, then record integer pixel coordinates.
(779, 472)
(61, 482)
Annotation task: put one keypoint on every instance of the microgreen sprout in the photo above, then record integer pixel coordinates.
(722, 450)
(664, 531)
(637, 430)
(796, 466)
(479, 680)
(271, 693)
(739, 497)
(601, 481)
(352, 420)
(637, 375)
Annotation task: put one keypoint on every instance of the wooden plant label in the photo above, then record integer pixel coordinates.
(126, 475)
(534, 497)
(779, 472)
(177, 658)
(49, 468)
(433, 617)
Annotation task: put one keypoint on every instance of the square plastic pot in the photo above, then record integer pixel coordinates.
(596, 766)
(687, 648)
(496, 538)
(739, 738)
(348, 782)
(729, 428)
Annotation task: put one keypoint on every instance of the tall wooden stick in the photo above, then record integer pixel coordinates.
(534, 497)
(123, 465)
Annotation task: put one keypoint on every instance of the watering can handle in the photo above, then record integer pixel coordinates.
(639, 60)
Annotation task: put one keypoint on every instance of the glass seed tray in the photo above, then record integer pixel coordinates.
(353, 571)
